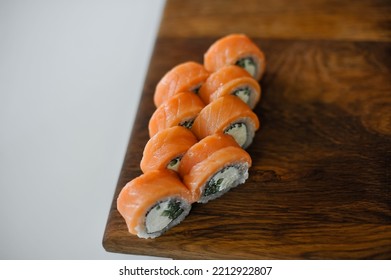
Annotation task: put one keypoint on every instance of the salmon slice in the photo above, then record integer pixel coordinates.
(166, 148)
(227, 114)
(231, 80)
(188, 76)
(236, 49)
(213, 166)
(139, 202)
(180, 109)
(202, 149)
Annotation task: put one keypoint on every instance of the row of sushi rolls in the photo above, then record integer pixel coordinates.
(203, 123)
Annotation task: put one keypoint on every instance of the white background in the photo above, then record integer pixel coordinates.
(71, 75)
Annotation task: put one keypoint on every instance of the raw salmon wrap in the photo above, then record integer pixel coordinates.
(188, 76)
(236, 49)
(166, 148)
(213, 166)
(231, 80)
(180, 109)
(227, 114)
(153, 203)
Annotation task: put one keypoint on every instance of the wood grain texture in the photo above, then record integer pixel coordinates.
(320, 185)
(304, 19)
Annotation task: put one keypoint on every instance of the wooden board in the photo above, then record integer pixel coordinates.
(320, 185)
(303, 19)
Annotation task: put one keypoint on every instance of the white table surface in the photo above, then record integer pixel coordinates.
(71, 75)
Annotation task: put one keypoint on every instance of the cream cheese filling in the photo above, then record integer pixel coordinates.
(239, 132)
(155, 221)
(174, 164)
(222, 180)
(243, 93)
(248, 64)
(162, 214)
(250, 68)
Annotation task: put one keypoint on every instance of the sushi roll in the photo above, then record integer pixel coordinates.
(188, 76)
(231, 80)
(227, 114)
(236, 49)
(180, 109)
(213, 166)
(166, 148)
(153, 203)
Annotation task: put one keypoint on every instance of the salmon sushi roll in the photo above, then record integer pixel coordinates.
(213, 166)
(227, 114)
(231, 80)
(166, 148)
(153, 203)
(236, 49)
(180, 109)
(188, 76)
